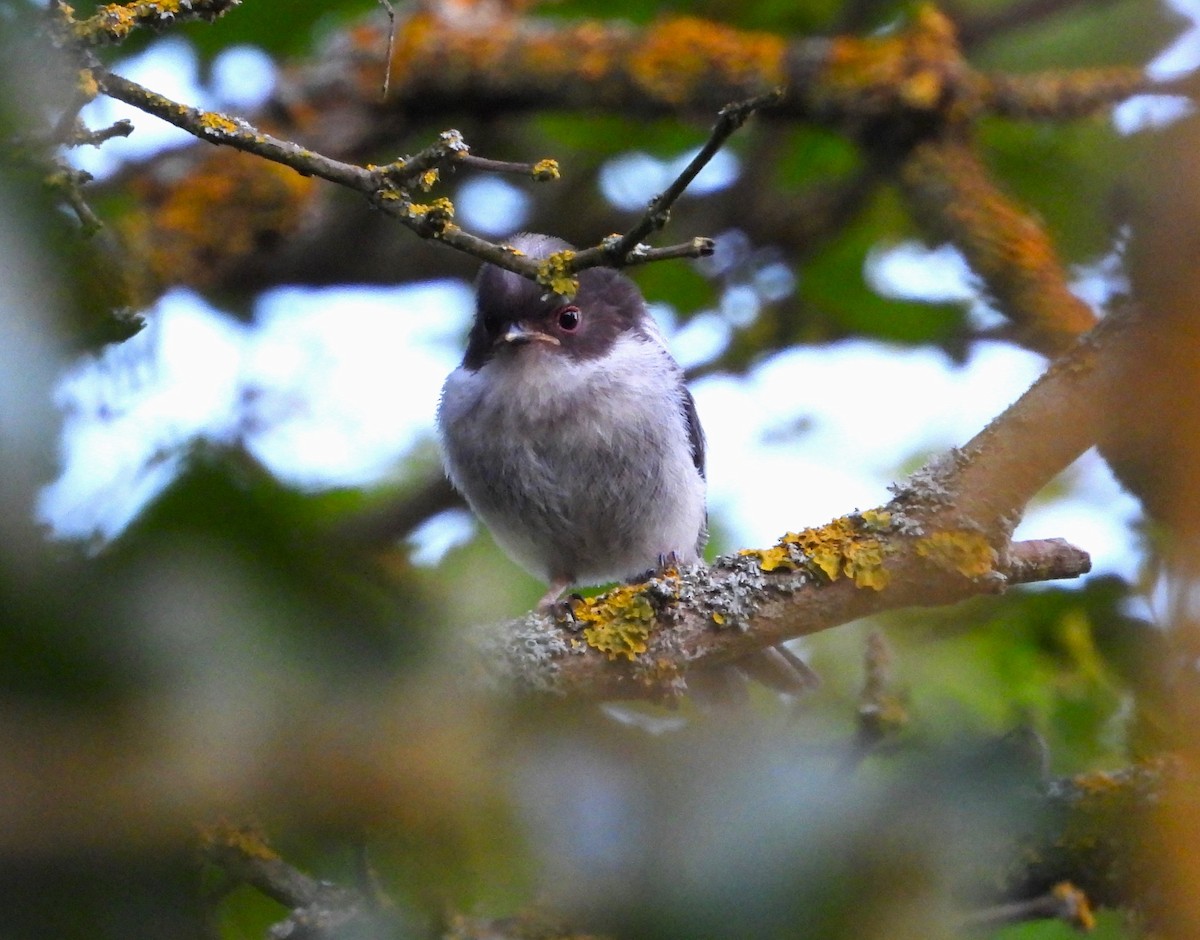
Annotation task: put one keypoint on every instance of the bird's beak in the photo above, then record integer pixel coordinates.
(521, 333)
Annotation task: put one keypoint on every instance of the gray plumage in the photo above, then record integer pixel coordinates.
(569, 430)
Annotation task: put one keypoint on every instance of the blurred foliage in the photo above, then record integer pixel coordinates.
(1086, 35)
(231, 628)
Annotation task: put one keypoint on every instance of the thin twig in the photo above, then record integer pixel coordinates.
(94, 138)
(543, 169)
(391, 45)
(730, 118)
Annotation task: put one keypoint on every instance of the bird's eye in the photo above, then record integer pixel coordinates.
(491, 323)
(568, 319)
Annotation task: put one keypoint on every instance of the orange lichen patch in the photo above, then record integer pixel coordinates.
(673, 61)
(678, 56)
(618, 622)
(230, 206)
(1075, 905)
(953, 195)
(845, 547)
(415, 41)
(85, 81)
(916, 62)
(426, 45)
(114, 21)
(961, 550)
(594, 46)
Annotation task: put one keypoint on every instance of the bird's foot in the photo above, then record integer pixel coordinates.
(668, 564)
(554, 605)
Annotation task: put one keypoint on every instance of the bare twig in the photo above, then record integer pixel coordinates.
(70, 182)
(731, 117)
(391, 47)
(542, 170)
(82, 136)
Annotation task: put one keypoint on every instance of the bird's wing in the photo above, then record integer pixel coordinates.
(695, 432)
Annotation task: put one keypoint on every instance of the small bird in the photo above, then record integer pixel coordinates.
(570, 432)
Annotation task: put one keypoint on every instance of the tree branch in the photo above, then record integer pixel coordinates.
(945, 536)
(954, 199)
(113, 22)
(389, 188)
(1063, 902)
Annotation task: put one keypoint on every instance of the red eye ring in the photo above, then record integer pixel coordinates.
(568, 318)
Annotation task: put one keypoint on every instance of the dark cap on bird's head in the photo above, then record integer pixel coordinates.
(512, 311)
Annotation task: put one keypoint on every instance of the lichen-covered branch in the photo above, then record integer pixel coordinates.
(113, 22)
(953, 197)
(391, 188)
(317, 908)
(690, 65)
(945, 536)
(896, 95)
(640, 641)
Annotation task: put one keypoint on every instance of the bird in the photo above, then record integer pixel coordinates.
(570, 432)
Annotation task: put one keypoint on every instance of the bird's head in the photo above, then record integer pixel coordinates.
(518, 318)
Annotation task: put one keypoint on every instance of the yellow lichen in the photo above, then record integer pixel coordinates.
(428, 179)
(210, 120)
(840, 549)
(772, 559)
(961, 550)
(876, 520)
(864, 563)
(441, 209)
(113, 22)
(85, 81)
(545, 170)
(679, 56)
(618, 622)
(554, 274)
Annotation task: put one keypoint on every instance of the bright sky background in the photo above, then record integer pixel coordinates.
(343, 383)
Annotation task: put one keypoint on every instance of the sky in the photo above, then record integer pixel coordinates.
(337, 387)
